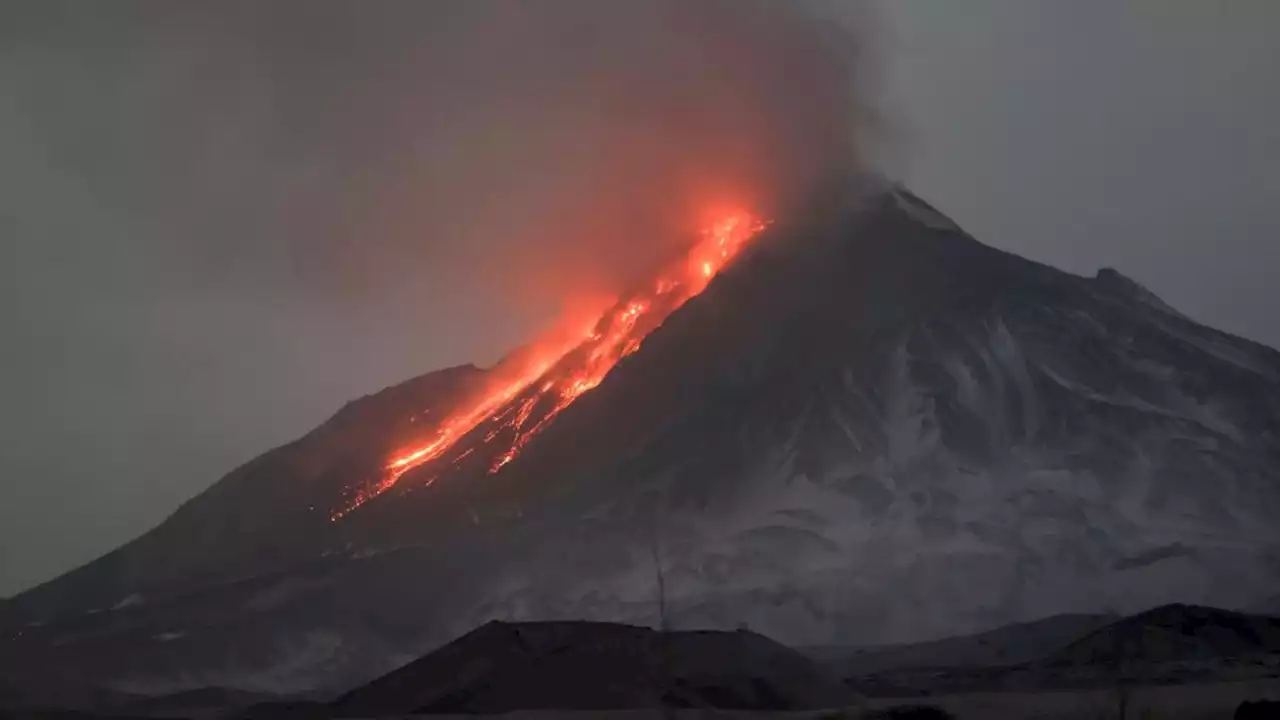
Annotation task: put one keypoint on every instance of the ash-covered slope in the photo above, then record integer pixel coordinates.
(267, 514)
(870, 428)
(879, 429)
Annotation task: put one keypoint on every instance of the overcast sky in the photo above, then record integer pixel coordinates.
(211, 220)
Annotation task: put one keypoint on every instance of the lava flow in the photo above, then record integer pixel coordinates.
(535, 388)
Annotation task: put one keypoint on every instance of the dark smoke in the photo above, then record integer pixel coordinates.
(554, 146)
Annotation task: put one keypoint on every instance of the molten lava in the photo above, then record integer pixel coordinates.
(530, 391)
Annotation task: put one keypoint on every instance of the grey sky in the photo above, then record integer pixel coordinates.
(210, 236)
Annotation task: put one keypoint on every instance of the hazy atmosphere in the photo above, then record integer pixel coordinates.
(221, 222)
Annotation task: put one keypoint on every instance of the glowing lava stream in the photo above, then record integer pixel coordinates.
(557, 372)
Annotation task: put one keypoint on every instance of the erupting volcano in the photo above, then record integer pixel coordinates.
(872, 429)
(536, 385)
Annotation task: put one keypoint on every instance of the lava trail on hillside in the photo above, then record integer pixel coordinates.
(530, 389)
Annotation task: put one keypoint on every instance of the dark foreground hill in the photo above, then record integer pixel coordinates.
(1008, 645)
(1168, 645)
(1176, 634)
(1202, 659)
(503, 667)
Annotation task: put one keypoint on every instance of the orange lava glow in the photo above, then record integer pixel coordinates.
(535, 388)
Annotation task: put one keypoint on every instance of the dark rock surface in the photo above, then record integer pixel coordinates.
(1258, 710)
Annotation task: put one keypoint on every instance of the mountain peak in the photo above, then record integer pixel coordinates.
(868, 427)
(1114, 281)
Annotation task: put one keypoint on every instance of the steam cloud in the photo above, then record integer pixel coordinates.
(612, 128)
(562, 146)
(608, 127)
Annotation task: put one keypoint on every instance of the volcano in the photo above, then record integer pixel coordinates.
(854, 425)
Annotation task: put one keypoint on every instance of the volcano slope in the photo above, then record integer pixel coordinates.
(868, 428)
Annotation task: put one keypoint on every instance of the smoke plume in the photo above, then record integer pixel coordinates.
(554, 149)
(612, 129)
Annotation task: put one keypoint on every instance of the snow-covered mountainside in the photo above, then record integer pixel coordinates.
(870, 428)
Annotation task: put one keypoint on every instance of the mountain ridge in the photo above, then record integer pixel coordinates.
(869, 428)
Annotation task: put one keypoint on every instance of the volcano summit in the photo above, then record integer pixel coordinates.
(856, 425)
